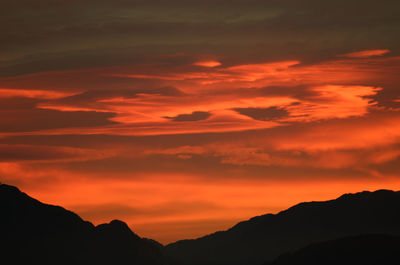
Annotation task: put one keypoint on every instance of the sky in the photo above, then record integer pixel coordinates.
(183, 117)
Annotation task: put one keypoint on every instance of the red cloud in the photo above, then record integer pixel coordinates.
(366, 54)
(208, 63)
(41, 94)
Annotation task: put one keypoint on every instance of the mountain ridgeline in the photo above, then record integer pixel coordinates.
(37, 233)
(264, 238)
(360, 228)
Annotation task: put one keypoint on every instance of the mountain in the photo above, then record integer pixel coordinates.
(264, 238)
(361, 228)
(36, 233)
(365, 250)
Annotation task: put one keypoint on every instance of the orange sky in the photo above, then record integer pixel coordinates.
(117, 115)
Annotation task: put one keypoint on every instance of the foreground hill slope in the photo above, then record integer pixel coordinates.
(263, 238)
(365, 250)
(36, 233)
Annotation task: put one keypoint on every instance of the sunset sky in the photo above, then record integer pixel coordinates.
(183, 117)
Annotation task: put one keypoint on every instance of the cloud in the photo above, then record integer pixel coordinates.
(335, 101)
(334, 144)
(366, 54)
(263, 114)
(41, 94)
(376, 129)
(74, 34)
(208, 63)
(194, 116)
(239, 155)
(40, 153)
(49, 119)
(138, 106)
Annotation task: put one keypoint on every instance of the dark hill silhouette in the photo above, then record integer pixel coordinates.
(263, 238)
(365, 250)
(36, 233)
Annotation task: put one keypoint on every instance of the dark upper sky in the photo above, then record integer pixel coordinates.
(183, 117)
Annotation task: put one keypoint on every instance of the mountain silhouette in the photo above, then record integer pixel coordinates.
(36, 233)
(264, 238)
(365, 250)
(361, 228)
